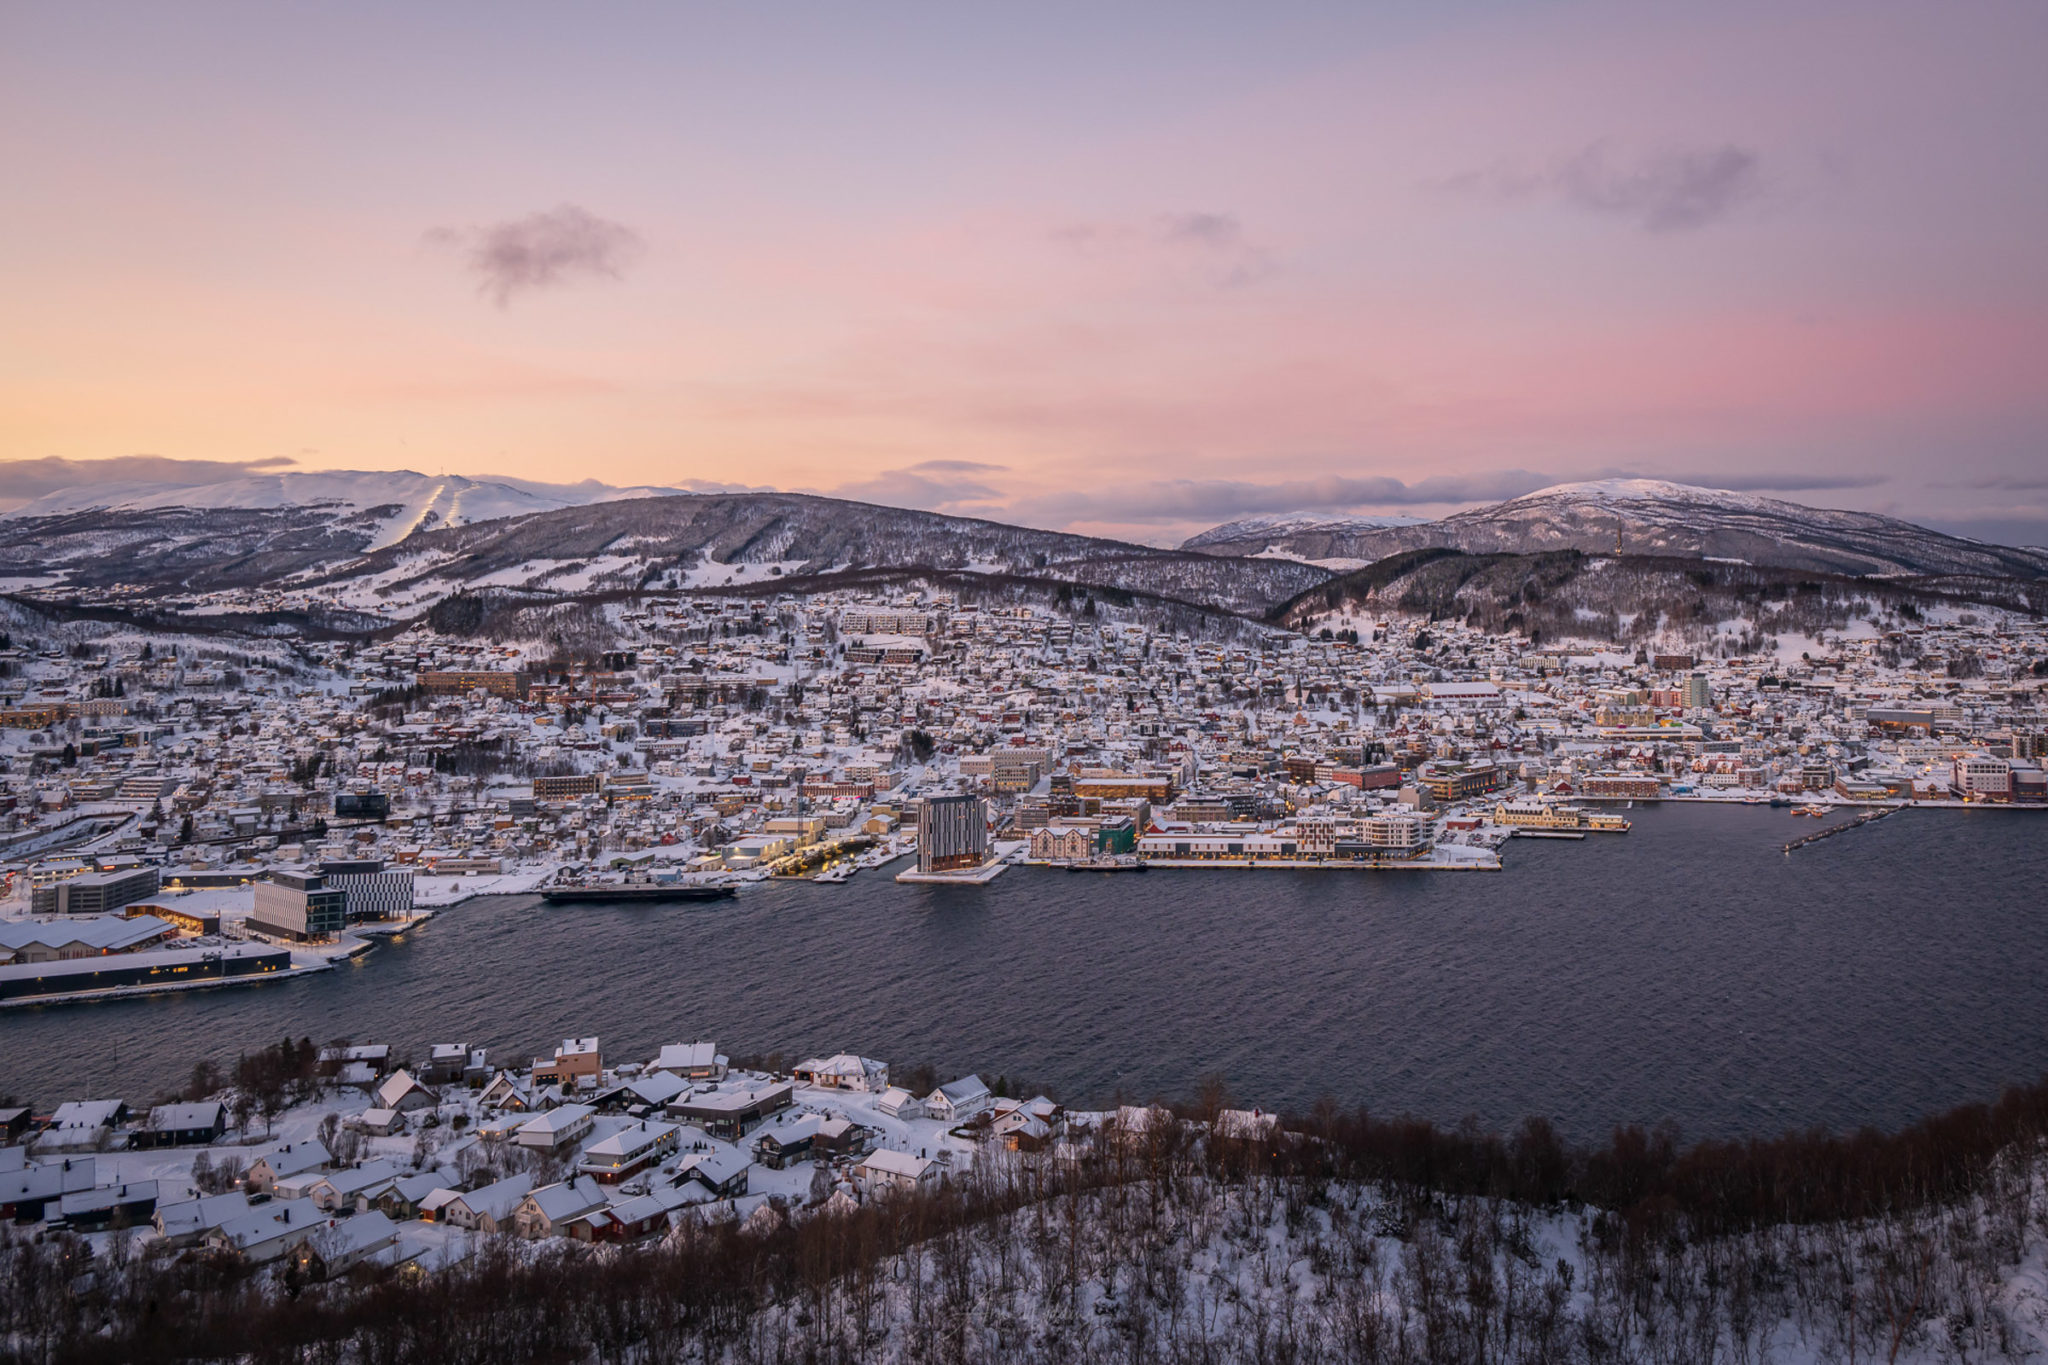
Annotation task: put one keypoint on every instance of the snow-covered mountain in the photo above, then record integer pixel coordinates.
(1653, 517)
(386, 505)
(738, 540)
(394, 545)
(1309, 536)
(397, 544)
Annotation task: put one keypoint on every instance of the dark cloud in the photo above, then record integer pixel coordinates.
(543, 250)
(21, 480)
(1675, 190)
(2002, 483)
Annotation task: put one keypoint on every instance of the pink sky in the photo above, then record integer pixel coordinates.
(1129, 269)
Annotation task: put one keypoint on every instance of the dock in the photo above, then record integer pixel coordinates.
(1868, 817)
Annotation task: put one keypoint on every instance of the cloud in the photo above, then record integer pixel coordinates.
(21, 480)
(543, 250)
(1669, 191)
(932, 486)
(956, 467)
(1775, 483)
(2002, 483)
(1224, 499)
(1217, 240)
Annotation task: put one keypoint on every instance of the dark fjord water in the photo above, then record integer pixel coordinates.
(1686, 971)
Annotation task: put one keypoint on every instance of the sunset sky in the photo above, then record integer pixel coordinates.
(1126, 268)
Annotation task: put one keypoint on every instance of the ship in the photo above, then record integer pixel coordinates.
(1117, 863)
(636, 893)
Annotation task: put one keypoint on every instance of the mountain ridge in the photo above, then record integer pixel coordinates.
(1658, 517)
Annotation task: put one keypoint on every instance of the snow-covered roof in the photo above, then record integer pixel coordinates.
(558, 1120)
(892, 1162)
(102, 933)
(686, 1057)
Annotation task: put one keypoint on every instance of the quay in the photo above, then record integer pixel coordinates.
(1868, 817)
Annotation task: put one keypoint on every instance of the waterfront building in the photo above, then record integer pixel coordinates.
(371, 890)
(299, 906)
(1981, 777)
(154, 967)
(952, 833)
(95, 893)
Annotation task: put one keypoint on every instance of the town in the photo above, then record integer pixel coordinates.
(184, 811)
(335, 1155)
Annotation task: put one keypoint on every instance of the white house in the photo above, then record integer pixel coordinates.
(377, 1122)
(187, 1223)
(294, 1158)
(899, 1103)
(486, 1209)
(334, 1246)
(691, 1061)
(548, 1211)
(889, 1171)
(630, 1149)
(402, 1092)
(959, 1101)
(265, 1232)
(82, 1123)
(557, 1128)
(844, 1071)
(334, 1190)
(506, 1093)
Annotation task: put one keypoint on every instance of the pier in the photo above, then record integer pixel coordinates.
(1866, 818)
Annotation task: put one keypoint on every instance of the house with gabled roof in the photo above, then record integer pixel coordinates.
(810, 1137)
(82, 1123)
(893, 1172)
(691, 1061)
(487, 1209)
(402, 1197)
(334, 1246)
(340, 1190)
(720, 1170)
(635, 1218)
(402, 1091)
(266, 1231)
(294, 1158)
(630, 1149)
(554, 1129)
(506, 1092)
(548, 1211)
(187, 1222)
(182, 1125)
(959, 1100)
(844, 1071)
(898, 1103)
